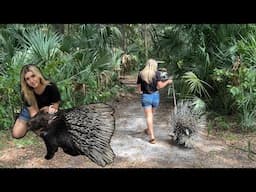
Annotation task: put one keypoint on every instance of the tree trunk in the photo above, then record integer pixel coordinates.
(59, 28)
(146, 39)
(124, 44)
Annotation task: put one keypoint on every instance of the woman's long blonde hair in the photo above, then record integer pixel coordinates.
(26, 90)
(149, 71)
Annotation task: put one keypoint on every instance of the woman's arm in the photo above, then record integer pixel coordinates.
(139, 88)
(54, 99)
(53, 108)
(32, 111)
(55, 105)
(162, 84)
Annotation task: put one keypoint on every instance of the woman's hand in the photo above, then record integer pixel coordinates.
(51, 109)
(45, 109)
(169, 81)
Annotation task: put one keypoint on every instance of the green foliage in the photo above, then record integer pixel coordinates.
(6, 139)
(199, 106)
(241, 85)
(222, 75)
(247, 48)
(10, 101)
(43, 44)
(196, 85)
(221, 123)
(92, 66)
(30, 139)
(222, 100)
(244, 95)
(247, 120)
(20, 143)
(199, 56)
(68, 44)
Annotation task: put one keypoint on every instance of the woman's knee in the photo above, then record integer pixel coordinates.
(19, 129)
(17, 135)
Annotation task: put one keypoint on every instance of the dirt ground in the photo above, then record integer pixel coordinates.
(132, 149)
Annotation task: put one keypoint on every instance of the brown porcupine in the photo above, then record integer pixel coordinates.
(185, 124)
(85, 130)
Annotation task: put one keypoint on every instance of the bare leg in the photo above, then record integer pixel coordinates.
(149, 119)
(19, 129)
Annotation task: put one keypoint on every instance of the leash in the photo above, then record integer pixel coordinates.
(174, 98)
(174, 95)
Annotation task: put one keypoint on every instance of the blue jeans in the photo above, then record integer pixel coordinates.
(24, 114)
(151, 100)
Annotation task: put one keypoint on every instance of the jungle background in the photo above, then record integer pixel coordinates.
(212, 65)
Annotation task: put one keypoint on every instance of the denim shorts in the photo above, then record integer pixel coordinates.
(24, 114)
(150, 100)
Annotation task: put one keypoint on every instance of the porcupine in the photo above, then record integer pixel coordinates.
(84, 130)
(186, 123)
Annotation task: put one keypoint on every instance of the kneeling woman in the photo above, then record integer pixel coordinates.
(37, 94)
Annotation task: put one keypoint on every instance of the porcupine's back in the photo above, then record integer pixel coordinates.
(91, 128)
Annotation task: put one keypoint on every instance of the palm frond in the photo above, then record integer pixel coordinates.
(44, 46)
(195, 84)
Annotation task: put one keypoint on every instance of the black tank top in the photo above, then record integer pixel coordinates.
(50, 95)
(149, 88)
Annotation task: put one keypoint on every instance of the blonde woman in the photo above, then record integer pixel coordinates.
(148, 84)
(37, 94)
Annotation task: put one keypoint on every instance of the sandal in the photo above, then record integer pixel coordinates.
(152, 141)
